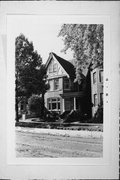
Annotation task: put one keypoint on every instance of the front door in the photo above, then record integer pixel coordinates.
(69, 104)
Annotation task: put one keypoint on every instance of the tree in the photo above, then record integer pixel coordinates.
(30, 73)
(35, 104)
(86, 42)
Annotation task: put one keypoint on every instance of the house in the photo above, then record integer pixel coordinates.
(96, 88)
(64, 94)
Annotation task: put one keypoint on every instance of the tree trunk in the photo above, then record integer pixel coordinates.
(16, 109)
(43, 105)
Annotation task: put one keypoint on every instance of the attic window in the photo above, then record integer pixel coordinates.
(50, 68)
(55, 67)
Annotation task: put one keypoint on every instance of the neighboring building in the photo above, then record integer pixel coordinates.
(96, 88)
(64, 94)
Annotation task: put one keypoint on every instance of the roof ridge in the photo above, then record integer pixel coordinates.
(63, 58)
(67, 65)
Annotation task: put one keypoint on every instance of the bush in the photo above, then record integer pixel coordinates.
(74, 116)
(35, 105)
(64, 114)
(51, 116)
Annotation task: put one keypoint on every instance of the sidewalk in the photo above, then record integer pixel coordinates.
(82, 133)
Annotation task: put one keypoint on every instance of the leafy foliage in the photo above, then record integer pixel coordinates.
(86, 42)
(30, 73)
(35, 103)
(29, 68)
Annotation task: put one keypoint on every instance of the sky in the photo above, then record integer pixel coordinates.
(43, 34)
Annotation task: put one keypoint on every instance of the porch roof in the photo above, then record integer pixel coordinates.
(72, 94)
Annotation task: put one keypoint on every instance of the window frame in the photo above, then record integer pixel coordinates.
(50, 82)
(56, 80)
(51, 101)
(95, 99)
(65, 83)
(50, 69)
(100, 77)
(94, 77)
(101, 98)
(55, 67)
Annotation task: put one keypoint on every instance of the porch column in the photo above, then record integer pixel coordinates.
(74, 103)
(63, 104)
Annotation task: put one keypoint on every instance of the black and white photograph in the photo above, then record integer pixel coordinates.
(58, 89)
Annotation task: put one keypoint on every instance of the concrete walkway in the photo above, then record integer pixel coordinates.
(81, 133)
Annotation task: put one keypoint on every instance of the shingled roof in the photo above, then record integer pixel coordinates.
(67, 66)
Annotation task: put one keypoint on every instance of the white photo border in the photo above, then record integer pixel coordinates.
(109, 169)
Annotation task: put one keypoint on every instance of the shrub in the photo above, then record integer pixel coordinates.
(51, 116)
(74, 116)
(64, 114)
(35, 105)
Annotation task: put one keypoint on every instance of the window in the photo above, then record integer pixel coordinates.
(101, 98)
(51, 85)
(95, 99)
(50, 68)
(66, 83)
(94, 78)
(54, 104)
(55, 67)
(101, 75)
(56, 84)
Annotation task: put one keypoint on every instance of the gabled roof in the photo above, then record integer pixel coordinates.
(67, 66)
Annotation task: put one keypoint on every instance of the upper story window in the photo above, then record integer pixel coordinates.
(94, 77)
(95, 100)
(55, 67)
(101, 98)
(56, 84)
(51, 85)
(66, 83)
(101, 75)
(50, 69)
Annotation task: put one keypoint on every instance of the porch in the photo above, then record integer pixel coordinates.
(71, 101)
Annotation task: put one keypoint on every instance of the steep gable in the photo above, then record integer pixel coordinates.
(67, 67)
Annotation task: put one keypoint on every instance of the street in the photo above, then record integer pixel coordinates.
(48, 145)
